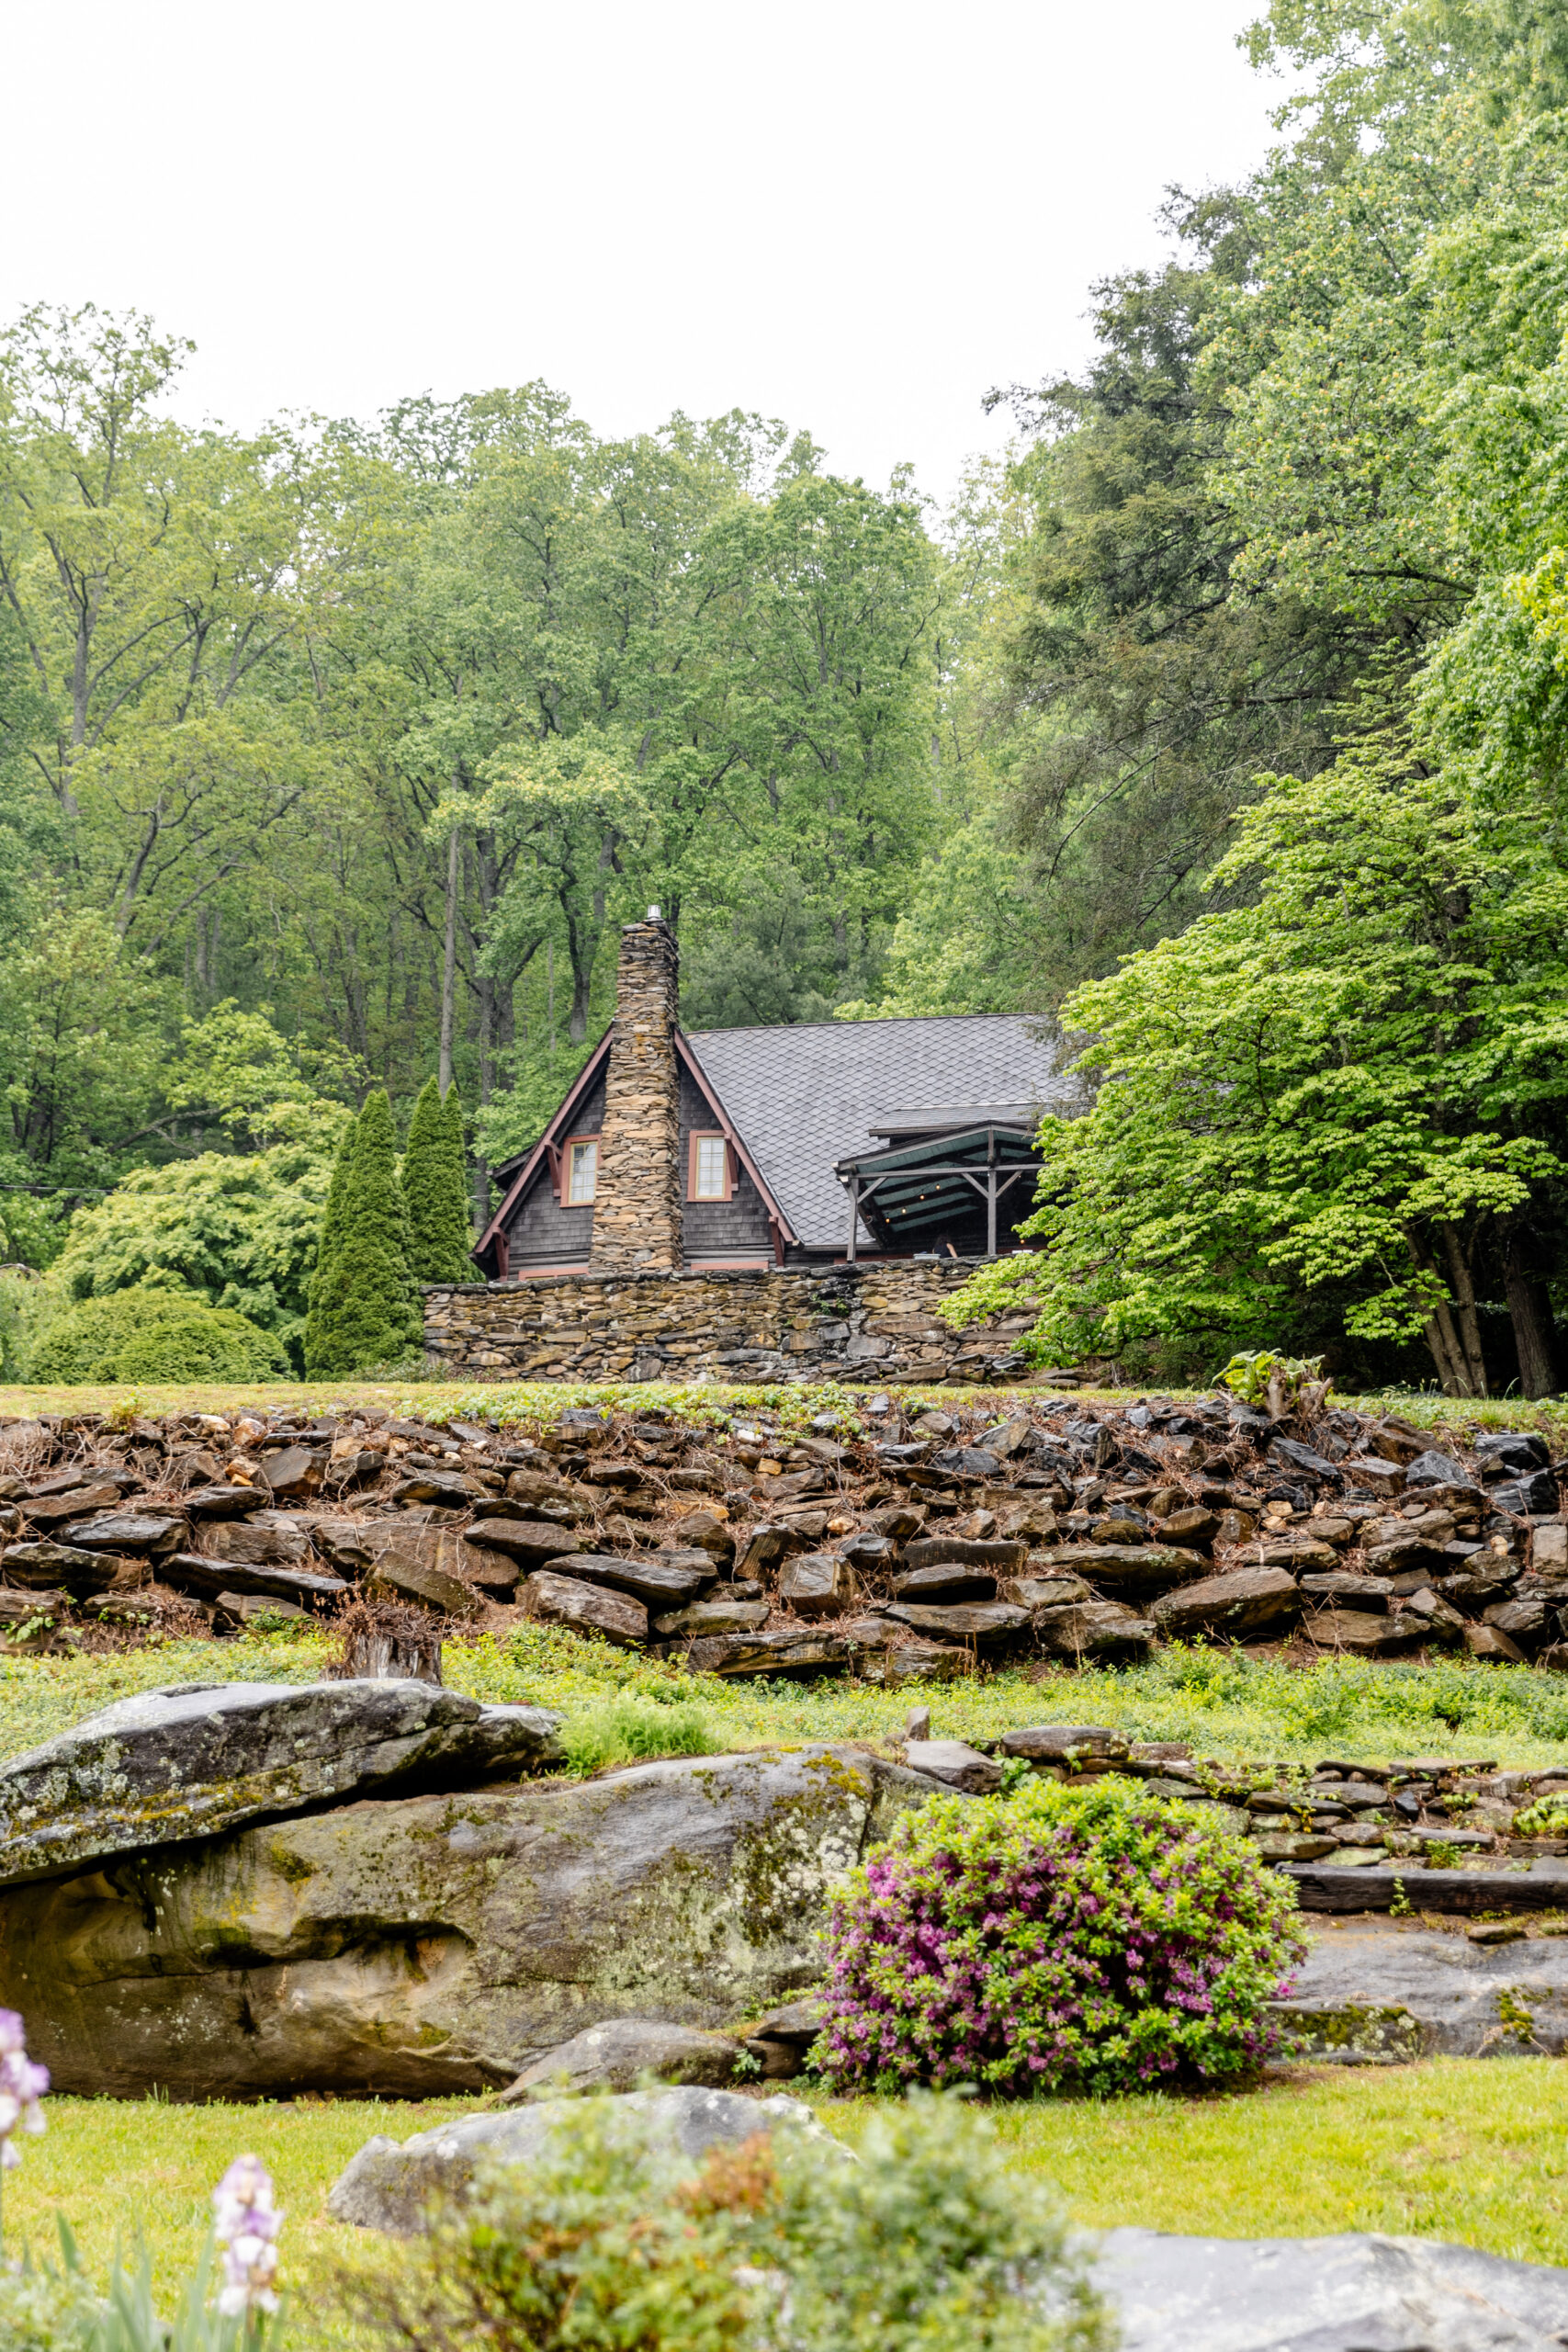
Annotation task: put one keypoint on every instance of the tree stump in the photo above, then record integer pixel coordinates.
(384, 1640)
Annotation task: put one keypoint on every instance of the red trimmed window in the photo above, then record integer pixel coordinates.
(708, 1171)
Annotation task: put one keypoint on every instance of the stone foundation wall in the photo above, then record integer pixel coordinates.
(851, 1323)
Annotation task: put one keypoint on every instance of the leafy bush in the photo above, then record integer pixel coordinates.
(609, 2244)
(1084, 1938)
(237, 1232)
(624, 1731)
(1547, 1818)
(149, 1334)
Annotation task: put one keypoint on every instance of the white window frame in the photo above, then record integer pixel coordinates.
(579, 1149)
(695, 1192)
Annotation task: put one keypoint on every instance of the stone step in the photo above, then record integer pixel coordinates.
(1328, 1886)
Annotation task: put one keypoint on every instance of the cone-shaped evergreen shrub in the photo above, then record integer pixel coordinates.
(435, 1187)
(327, 1246)
(368, 1313)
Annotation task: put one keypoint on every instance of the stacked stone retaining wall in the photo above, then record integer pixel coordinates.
(865, 1323)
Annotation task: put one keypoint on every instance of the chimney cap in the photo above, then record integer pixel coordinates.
(654, 915)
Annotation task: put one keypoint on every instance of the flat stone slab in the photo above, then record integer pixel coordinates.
(1361, 2292)
(426, 1945)
(392, 2187)
(1380, 1993)
(200, 1758)
(1537, 1886)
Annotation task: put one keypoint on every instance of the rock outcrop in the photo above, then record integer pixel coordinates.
(1376, 1992)
(440, 1943)
(1355, 2293)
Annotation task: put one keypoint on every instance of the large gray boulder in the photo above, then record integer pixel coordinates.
(394, 2188)
(1355, 2293)
(201, 1758)
(436, 1944)
(1373, 1992)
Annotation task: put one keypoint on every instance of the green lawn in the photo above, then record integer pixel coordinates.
(1469, 2150)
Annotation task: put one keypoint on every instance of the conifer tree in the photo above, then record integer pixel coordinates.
(369, 1311)
(436, 1189)
(328, 1244)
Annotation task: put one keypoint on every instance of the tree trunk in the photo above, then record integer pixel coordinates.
(449, 967)
(1469, 1320)
(1440, 1332)
(1530, 1309)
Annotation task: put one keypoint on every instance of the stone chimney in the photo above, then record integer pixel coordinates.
(638, 1193)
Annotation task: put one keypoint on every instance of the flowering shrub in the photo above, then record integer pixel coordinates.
(1084, 1938)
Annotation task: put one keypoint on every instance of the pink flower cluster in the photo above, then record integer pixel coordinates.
(246, 2227)
(22, 2085)
(1099, 1940)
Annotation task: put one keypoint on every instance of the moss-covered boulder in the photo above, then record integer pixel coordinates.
(433, 1944)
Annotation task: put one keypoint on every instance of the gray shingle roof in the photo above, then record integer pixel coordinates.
(806, 1097)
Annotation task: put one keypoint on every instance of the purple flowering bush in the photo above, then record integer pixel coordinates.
(1082, 1938)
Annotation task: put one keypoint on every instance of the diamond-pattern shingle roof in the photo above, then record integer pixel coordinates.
(805, 1097)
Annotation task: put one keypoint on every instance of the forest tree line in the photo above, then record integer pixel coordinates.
(1221, 718)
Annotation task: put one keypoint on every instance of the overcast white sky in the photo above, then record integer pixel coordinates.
(854, 215)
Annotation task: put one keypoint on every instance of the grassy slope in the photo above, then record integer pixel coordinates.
(1469, 2150)
(1227, 1704)
(541, 1401)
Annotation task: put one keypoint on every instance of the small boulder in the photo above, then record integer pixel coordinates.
(587, 1607)
(983, 1621)
(397, 1578)
(529, 1540)
(1147, 1567)
(1192, 1526)
(969, 1552)
(1358, 1630)
(956, 1763)
(1491, 1641)
(794, 1649)
(816, 1584)
(1066, 1743)
(712, 1617)
(657, 1583)
(46, 1564)
(1093, 1629)
(949, 1581)
(266, 1541)
(1248, 1600)
(391, 2188)
(614, 2057)
(193, 1572)
(142, 1533)
(1433, 1469)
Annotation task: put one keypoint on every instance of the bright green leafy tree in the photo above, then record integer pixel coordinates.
(1348, 1097)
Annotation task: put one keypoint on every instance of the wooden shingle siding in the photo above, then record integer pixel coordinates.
(543, 1233)
(734, 1228)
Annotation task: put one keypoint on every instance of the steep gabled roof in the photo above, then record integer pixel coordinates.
(804, 1098)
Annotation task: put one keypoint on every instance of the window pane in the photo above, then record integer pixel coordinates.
(584, 1172)
(710, 1167)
